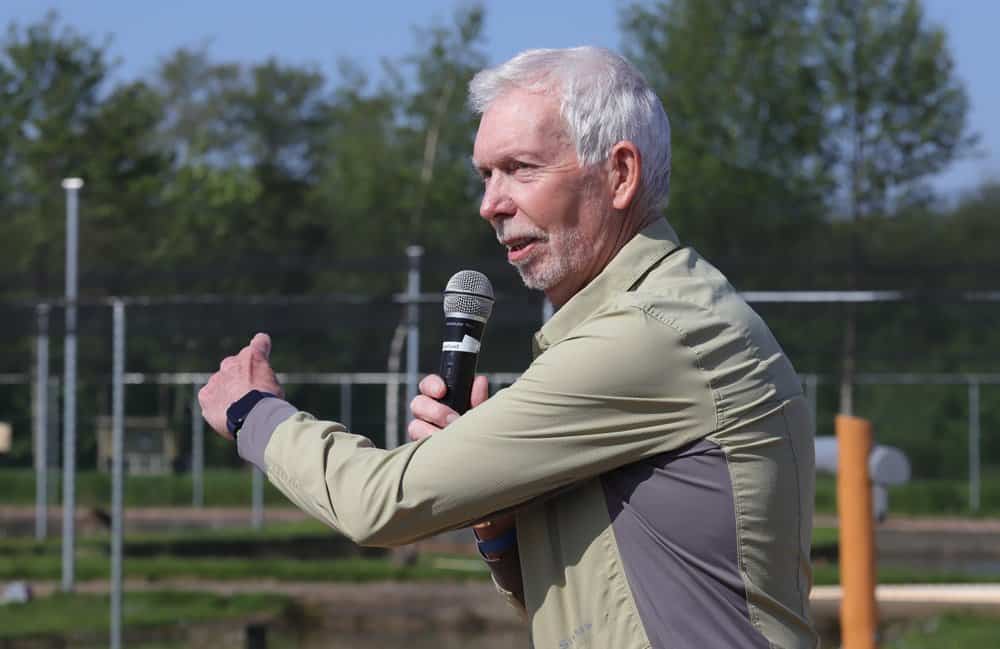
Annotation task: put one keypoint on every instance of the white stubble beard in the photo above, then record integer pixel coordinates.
(561, 257)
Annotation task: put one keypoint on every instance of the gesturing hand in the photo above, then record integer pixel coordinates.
(250, 369)
(429, 414)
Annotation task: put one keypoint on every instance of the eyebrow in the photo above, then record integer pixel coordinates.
(503, 160)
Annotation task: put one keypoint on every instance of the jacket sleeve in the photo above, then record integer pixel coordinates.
(623, 387)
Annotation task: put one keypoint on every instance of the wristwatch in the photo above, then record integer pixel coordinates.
(237, 413)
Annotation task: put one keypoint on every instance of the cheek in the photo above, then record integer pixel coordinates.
(549, 205)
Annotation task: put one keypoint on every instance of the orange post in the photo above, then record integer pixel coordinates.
(858, 612)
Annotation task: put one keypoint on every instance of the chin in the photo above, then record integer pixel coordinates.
(537, 279)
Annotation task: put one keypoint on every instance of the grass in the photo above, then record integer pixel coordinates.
(222, 488)
(825, 536)
(48, 567)
(951, 631)
(232, 488)
(30, 560)
(828, 574)
(81, 614)
(26, 559)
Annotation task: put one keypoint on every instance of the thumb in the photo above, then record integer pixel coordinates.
(261, 343)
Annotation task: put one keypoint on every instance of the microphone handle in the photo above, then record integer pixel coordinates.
(459, 358)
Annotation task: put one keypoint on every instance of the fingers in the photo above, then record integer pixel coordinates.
(261, 343)
(480, 390)
(433, 386)
(433, 412)
(418, 430)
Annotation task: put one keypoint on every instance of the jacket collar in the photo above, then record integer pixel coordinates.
(623, 272)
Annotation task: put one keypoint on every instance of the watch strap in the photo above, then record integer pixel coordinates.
(239, 410)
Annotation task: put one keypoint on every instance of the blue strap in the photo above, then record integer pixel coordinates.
(500, 544)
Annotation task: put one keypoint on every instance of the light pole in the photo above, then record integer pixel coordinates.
(72, 186)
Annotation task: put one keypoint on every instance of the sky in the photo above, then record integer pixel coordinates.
(320, 32)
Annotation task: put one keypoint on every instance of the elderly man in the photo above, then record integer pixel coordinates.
(648, 481)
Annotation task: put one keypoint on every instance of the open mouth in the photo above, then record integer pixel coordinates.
(519, 244)
(518, 249)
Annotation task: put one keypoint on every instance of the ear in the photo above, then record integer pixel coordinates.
(626, 169)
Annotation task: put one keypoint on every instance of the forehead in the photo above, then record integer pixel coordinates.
(519, 122)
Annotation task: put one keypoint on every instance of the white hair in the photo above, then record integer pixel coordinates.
(603, 99)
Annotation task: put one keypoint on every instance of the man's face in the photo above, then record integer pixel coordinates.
(548, 211)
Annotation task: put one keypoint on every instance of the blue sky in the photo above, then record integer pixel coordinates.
(320, 32)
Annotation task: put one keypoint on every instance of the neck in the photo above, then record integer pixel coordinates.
(629, 225)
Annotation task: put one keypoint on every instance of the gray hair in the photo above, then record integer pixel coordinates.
(603, 99)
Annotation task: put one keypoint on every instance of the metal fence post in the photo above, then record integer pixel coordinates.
(345, 403)
(117, 469)
(974, 486)
(197, 450)
(42, 423)
(257, 507)
(414, 254)
(72, 186)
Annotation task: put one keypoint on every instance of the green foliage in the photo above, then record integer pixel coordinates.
(50, 94)
(747, 115)
(251, 178)
(897, 109)
(925, 497)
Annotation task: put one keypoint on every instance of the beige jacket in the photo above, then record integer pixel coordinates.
(655, 353)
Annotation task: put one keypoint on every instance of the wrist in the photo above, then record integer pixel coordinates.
(237, 412)
(496, 546)
(493, 527)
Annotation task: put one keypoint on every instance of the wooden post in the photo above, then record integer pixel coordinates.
(858, 612)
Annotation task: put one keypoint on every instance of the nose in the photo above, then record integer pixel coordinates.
(497, 202)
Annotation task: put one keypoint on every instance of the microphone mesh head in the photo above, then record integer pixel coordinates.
(469, 292)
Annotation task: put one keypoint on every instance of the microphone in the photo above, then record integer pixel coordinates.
(468, 304)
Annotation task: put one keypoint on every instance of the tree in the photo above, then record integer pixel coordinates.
(746, 108)
(784, 110)
(896, 115)
(439, 130)
(51, 80)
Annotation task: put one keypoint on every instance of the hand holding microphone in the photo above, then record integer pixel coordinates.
(468, 304)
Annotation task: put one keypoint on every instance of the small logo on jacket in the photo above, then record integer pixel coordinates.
(579, 639)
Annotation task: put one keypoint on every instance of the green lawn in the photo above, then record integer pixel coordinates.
(79, 614)
(950, 631)
(222, 488)
(232, 488)
(48, 567)
(30, 560)
(26, 559)
(22, 559)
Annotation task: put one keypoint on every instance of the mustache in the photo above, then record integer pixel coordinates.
(505, 234)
